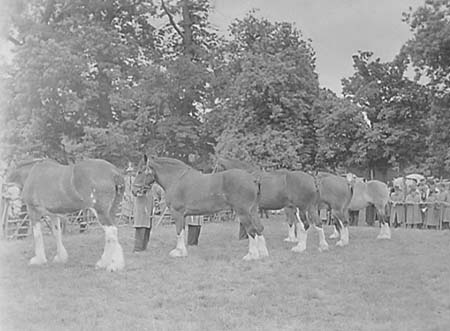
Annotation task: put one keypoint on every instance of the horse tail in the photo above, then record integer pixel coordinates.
(119, 190)
(119, 185)
(258, 189)
(351, 187)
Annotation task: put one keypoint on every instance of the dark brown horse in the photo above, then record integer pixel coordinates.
(189, 192)
(287, 190)
(51, 189)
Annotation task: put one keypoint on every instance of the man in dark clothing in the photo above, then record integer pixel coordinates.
(142, 213)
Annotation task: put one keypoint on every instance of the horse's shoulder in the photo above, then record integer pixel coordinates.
(376, 184)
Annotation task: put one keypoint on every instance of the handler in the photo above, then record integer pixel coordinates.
(143, 214)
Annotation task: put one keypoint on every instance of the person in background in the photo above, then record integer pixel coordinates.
(423, 190)
(142, 214)
(433, 191)
(413, 212)
(397, 217)
(443, 196)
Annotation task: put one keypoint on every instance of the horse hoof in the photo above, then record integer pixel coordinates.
(323, 248)
(341, 243)
(298, 249)
(250, 257)
(60, 258)
(178, 253)
(290, 240)
(263, 253)
(37, 260)
(115, 267)
(383, 236)
(100, 264)
(333, 236)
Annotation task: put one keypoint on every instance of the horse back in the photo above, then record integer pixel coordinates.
(334, 190)
(93, 178)
(196, 193)
(379, 191)
(59, 189)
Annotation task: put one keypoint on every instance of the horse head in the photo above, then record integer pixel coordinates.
(144, 179)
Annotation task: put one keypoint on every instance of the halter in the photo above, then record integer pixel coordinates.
(145, 187)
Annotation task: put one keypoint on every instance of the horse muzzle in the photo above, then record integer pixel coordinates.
(140, 190)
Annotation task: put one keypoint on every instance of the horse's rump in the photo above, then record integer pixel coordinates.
(302, 189)
(97, 176)
(274, 193)
(368, 193)
(335, 191)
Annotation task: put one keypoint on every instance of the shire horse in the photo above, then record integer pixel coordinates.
(371, 193)
(289, 190)
(51, 189)
(190, 192)
(336, 193)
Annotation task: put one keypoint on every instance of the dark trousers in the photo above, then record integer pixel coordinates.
(193, 234)
(141, 239)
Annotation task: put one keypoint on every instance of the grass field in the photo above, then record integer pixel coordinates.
(402, 284)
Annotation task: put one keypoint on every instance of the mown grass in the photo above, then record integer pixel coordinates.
(402, 284)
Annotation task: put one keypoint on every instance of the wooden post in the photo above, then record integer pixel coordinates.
(4, 206)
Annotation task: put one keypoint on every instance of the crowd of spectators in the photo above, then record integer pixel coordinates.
(419, 204)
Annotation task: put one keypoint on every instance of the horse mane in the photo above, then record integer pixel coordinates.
(238, 163)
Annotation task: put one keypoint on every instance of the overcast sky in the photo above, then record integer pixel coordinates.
(338, 28)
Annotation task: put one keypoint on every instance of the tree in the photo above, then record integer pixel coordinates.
(341, 132)
(165, 108)
(397, 109)
(266, 89)
(72, 60)
(429, 50)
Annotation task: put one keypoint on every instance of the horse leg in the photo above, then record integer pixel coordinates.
(260, 240)
(385, 231)
(292, 222)
(112, 258)
(180, 250)
(318, 225)
(302, 235)
(256, 242)
(253, 252)
(343, 221)
(39, 250)
(61, 253)
(337, 228)
(336, 234)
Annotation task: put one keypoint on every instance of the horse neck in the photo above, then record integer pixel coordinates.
(167, 174)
